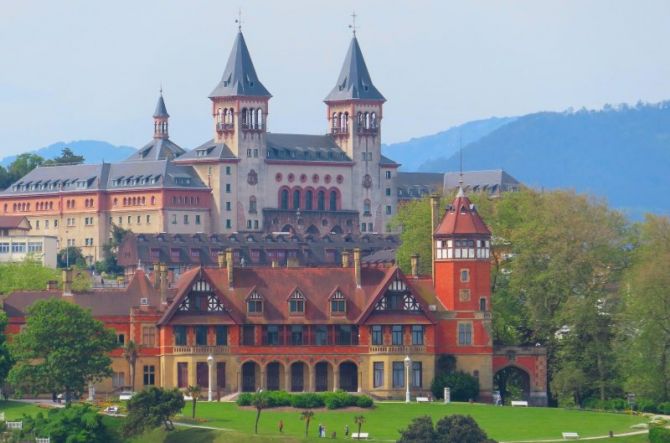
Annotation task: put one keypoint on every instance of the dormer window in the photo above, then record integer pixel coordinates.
(255, 303)
(338, 304)
(296, 304)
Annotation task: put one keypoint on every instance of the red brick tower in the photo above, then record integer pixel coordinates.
(462, 283)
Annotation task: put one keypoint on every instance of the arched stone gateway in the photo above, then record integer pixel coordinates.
(323, 373)
(274, 372)
(348, 376)
(298, 375)
(521, 370)
(250, 375)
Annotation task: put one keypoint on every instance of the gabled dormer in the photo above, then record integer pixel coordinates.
(296, 302)
(201, 299)
(338, 303)
(255, 303)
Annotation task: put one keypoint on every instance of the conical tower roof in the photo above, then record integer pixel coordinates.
(462, 218)
(354, 81)
(161, 110)
(239, 77)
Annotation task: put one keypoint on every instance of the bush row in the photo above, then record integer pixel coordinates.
(659, 435)
(330, 400)
(619, 404)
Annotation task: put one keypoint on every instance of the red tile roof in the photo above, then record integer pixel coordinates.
(461, 218)
(14, 222)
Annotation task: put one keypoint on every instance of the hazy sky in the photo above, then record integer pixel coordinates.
(92, 69)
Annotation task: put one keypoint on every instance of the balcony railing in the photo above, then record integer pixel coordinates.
(367, 131)
(397, 349)
(225, 127)
(339, 131)
(201, 350)
(251, 128)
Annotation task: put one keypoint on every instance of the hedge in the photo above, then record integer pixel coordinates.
(659, 435)
(309, 400)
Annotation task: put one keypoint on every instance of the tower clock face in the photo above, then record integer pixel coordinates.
(252, 177)
(367, 181)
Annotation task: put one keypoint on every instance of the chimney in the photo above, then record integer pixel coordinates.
(357, 266)
(414, 262)
(229, 266)
(221, 259)
(163, 282)
(67, 282)
(434, 214)
(346, 257)
(156, 275)
(275, 263)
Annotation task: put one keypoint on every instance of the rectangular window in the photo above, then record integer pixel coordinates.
(396, 335)
(377, 335)
(179, 335)
(228, 206)
(297, 335)
(464, 333)
(417, 334)
(320, 335)
(255, 224)
(149, 336)
(185, 219)
(118, 379)
(4, 248)
(228, 188)
(388, 210)
(248, 335)
(130, 219)
(465, 275)
(378, 377)
(182, 374)
(201, 335)
(55, 223)
(229, 224)
(248, 224)
(388, 175)
(388, 192)
(398, 374)
(148, 219)
(271, 335)
(149, 375)
(174, 219)
(46, 224)
(197, 219)
(19, 247)
(254, 306)
(34, 247)
(338, 306)
(417, 374)
(121, 339)
(227, 170)
(222, 335)
(248, 152)
(346, 334)
(296, 306)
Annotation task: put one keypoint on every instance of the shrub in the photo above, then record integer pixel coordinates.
(617, 404)
(659, 435)
(644, 405)
(451, 429)
(307, 401)
(664, 408)
(244, 399)
(463, 386)
(364, 401)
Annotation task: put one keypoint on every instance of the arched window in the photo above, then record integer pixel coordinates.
(245, 118)
(345, 122)
(321, 201)
(283, 203)
(367, 121)
(259, 118)
(231, 116)
(333, 200)
(220, 115)
(334, 121)
(309, 200)
(296, 199)
(373, 120)
(366, 207)
(360, 121)
(252, 205)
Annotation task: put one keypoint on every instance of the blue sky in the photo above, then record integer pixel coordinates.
(87, 69)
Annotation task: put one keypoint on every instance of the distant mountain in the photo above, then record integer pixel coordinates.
(621, 153)
(417, 151)
(94, 151)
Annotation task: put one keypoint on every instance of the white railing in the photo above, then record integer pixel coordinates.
(397, 349)
(200, 350)
(14, 425)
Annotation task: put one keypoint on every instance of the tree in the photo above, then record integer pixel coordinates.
(460, 429)
(359, 420)
(67, 157)
(193, 392)
(644, 324)
(26, 275)
(6, 360)
(569, 384)
(23, 164)
(130, 353)
(72, 424)
(413, 218)
(71, 256)
(462, 386)
(307, 416)
(420, 430)
(152, 408)
(61, 349)
(259, 401)
(81, 282)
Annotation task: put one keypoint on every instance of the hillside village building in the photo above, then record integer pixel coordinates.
(347, 326)
(243, 178)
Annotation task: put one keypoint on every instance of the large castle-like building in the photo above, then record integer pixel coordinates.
(243, 179)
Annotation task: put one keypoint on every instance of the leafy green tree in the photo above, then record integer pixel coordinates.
(61, 349)
(460, 429)
(130, 352)
(359, 420)
(23, 164)
(420, 430)
(152, 408)
(307, 417)
(6, 360)
(413, 218)
(109, 263)
(81, 281)
(72, 424)
(259, 401)
(67, 157)
(644, 325)
(570, 384)
(25, 276)
(71, 256)
(462, 386)
(194, 392)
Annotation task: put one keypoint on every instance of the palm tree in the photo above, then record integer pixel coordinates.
(359, 420)
(307, 416)
(260, 402)
(194, 393)
(130, 353)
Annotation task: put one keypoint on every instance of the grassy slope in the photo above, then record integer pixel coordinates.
(14, 410)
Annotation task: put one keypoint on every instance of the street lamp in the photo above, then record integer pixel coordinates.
(408, 363)
(210, 363)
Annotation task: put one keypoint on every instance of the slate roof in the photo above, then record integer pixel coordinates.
(239, 77)
(493, 181)
(105, 176)
(310, 250)
(418, 184)
(462, 218)
(161, 110)
(385, 161)
(157, 149)
(354, 82)
(208, 151)
(304, 147)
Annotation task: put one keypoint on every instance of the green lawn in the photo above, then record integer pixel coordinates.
(15, 409)
(384, 421)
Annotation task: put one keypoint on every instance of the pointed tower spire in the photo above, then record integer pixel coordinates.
(161, 118)
(239, 77)
(354, 81)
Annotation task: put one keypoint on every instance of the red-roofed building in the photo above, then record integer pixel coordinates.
(344, 327)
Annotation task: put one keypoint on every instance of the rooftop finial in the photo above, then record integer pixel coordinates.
(352, 26)
(161, 89)
(238, 20)
(460, 153)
